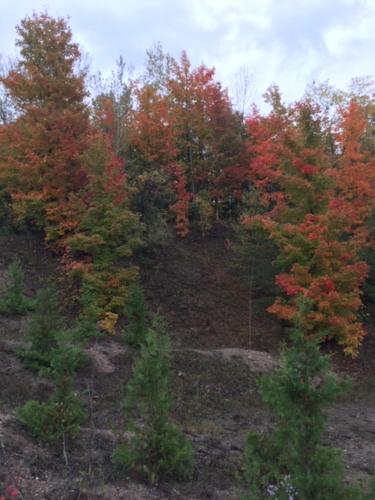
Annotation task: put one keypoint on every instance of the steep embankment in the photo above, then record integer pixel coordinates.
(206, 306)
(214, 386)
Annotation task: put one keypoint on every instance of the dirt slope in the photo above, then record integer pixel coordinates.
(214, 388)
(206, 306)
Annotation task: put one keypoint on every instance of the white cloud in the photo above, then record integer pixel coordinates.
(211, 14)
(288, 42)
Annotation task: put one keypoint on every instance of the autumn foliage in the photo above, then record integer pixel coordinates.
(60, 171)
(41, 162)
(316, 206)
(91, 175)
(188, 140)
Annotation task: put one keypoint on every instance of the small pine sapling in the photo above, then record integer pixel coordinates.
(64, 360)
(14, 301)
(59, 418)
(292, 462)
(63, 414)
(136, 313)
(87, 324)
(158, 448)
(43, 330)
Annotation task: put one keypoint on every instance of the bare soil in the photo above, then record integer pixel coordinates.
(214, 386)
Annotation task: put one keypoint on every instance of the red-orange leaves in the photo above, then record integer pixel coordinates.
(153, 131)
(61, 171)
(355, 174)
(43, 162)
(316, 208)
(186, 119)
(288, 284)
(181, 206)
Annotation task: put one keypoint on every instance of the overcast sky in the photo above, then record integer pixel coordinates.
(288, 42)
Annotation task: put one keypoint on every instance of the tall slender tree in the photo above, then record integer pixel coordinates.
(41, 152)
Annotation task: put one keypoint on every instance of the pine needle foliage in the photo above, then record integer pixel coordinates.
(136, 313)
(43, 330)
(158, 448)
(292, 462)
(60, 417)
(14, 301)
(49, 355)
(63, 414)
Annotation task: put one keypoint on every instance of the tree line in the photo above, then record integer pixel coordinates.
(106, 173)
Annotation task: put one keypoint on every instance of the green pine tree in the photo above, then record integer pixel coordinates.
(158, 448)
(60, 417)
(87, 322)
(14, 300)
(49, 353)
(292, 462)
(57, 420)
(63, 414)
(46, 321)
(136, 313)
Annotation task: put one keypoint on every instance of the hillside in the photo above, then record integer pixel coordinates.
(214, 382)
(186, 285)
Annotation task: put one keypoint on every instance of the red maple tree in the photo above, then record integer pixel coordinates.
(315, 209)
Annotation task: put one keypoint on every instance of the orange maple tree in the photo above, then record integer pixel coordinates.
(188, 142)
(41, 163)
(60, 171)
